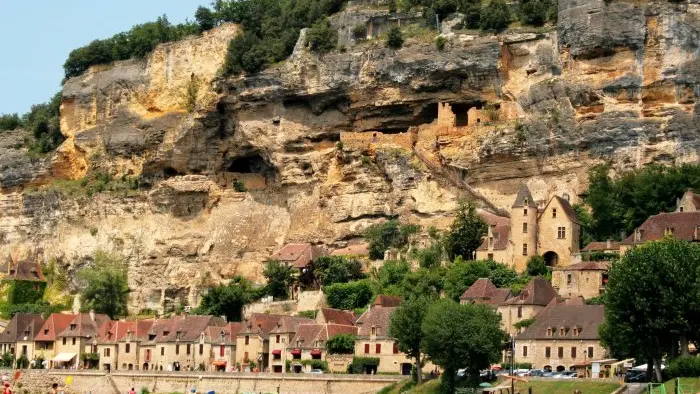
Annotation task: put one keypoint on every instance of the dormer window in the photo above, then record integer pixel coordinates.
(72, 326)
(46, 331)
(576, 331)
(669, 231)
(525, 212)
(554, 213)
(525, 201)
(638, 233)
(561, 331)
(550, 331)
(374, 330)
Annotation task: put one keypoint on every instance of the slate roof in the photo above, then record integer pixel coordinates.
(388, 300)
(83, 325)
(523, 196)
(683, 224)
(568, 209)
(298, 255)
(501, 235)
(601, 246)
(20, 326)
(537, 292)
(484, 292)
(337, 316)
(377, 316)
(585, 266)
(587, 319)
(55, 324)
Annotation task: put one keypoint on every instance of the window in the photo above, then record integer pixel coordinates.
(162, 351)
(524, 351)
(561, 232)
(201, 349)
(374, 330)
(245, 357)
(46, 331)
(127, 348)
(524, 249)
(64, 341)
(525, 201)
(366, 348)
(189, 349)
(491, 241)
(568, 279)
(573, 352)
(575, 331)
(247, 340)
(378, 348)
(681, 210)
(148, 354)
(560, 352)
(396, 348)
(554, 212)
(73, 340)
(550, 331)
(222, 349)
(669, 231)
(106, 352)
(177, 349)
(524, 228)
(490, 256)
(547, 352)
(520, 311)
(561, 331)
(590, 352)
(525, 212)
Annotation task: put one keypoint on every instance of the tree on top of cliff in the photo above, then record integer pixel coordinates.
(536, 12)
(495, 16)
(321, 37)
(394, 39)
(466, 232)
(9, 122)
(206, 19)
(279, 279)
(105, 287)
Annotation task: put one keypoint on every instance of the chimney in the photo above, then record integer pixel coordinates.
(608, 244)
(92, 314)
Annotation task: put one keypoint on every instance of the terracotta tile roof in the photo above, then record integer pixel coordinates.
(226, 334)
(335, 329)
(289, 324)
(298, 255)
(585, 266)
(485, 292)
(568, 209)
(684, 225)
(537, 292)
(83, 325)
(359, 249)
(188, 328)
(20, 326)
(585, 318)
(308, 334)
(524, 198)
(55, 324)
(24, 270)
(388, 300)
(493, 219)
(378, 317)
(263, 324)
(601, 246)
(337, 316)
(118, 331)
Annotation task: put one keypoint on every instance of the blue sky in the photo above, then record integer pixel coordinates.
(36, 37)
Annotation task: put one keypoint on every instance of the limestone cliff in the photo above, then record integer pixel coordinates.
(613, 81)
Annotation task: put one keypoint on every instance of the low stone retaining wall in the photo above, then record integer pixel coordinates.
(39, 381)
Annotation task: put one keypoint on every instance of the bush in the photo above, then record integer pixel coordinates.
(440, 42)
(472, 15)
(684, 366)
(536, 266)
(315, 364)
(245, 53)
(394, 39)
(205, 18)
(534, 12)
(308, 314)
(390, 234)
(321, 37)
(349, 295)
(9, 122)
(341, 344)
(494, 16)
(361, 365)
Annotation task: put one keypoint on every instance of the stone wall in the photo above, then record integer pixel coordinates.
(39, 381)
(374, 139)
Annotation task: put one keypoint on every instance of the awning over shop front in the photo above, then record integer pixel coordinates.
(296, 352)
(316, 352)
(64, 357)
(276, 352)
(219, 363)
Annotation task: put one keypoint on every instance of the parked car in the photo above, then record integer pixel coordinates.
(569, 375)
(316, 371)
(636, 377)
(547, 374)
(536, 372)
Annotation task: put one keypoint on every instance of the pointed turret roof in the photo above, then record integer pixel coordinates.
(524, 198)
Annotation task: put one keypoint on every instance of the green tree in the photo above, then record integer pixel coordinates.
(405, 327)
(226, 300)
(652, 301)
(341, 344)
(349, 296)
(463, 274)
(321, 37)
(494, 16)
(423, 282)
(394, 38)
(536, 266)
(457, 336)
(105, 288)
(534, 12)
(390, 234)
(584, 218)
(9, 122)
(206, 19)
(279, 279)
(336, 269)
(466, 232)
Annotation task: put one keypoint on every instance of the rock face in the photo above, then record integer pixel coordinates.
(326, 145)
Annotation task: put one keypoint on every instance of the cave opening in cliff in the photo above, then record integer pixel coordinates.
(251, 164)
(427, 114)
(460, 110)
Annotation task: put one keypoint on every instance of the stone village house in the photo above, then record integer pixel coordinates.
(18, 336)
(551, 230)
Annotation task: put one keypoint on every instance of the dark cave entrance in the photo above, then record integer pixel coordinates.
(427, 114)
(460, 110)
(253, 164)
